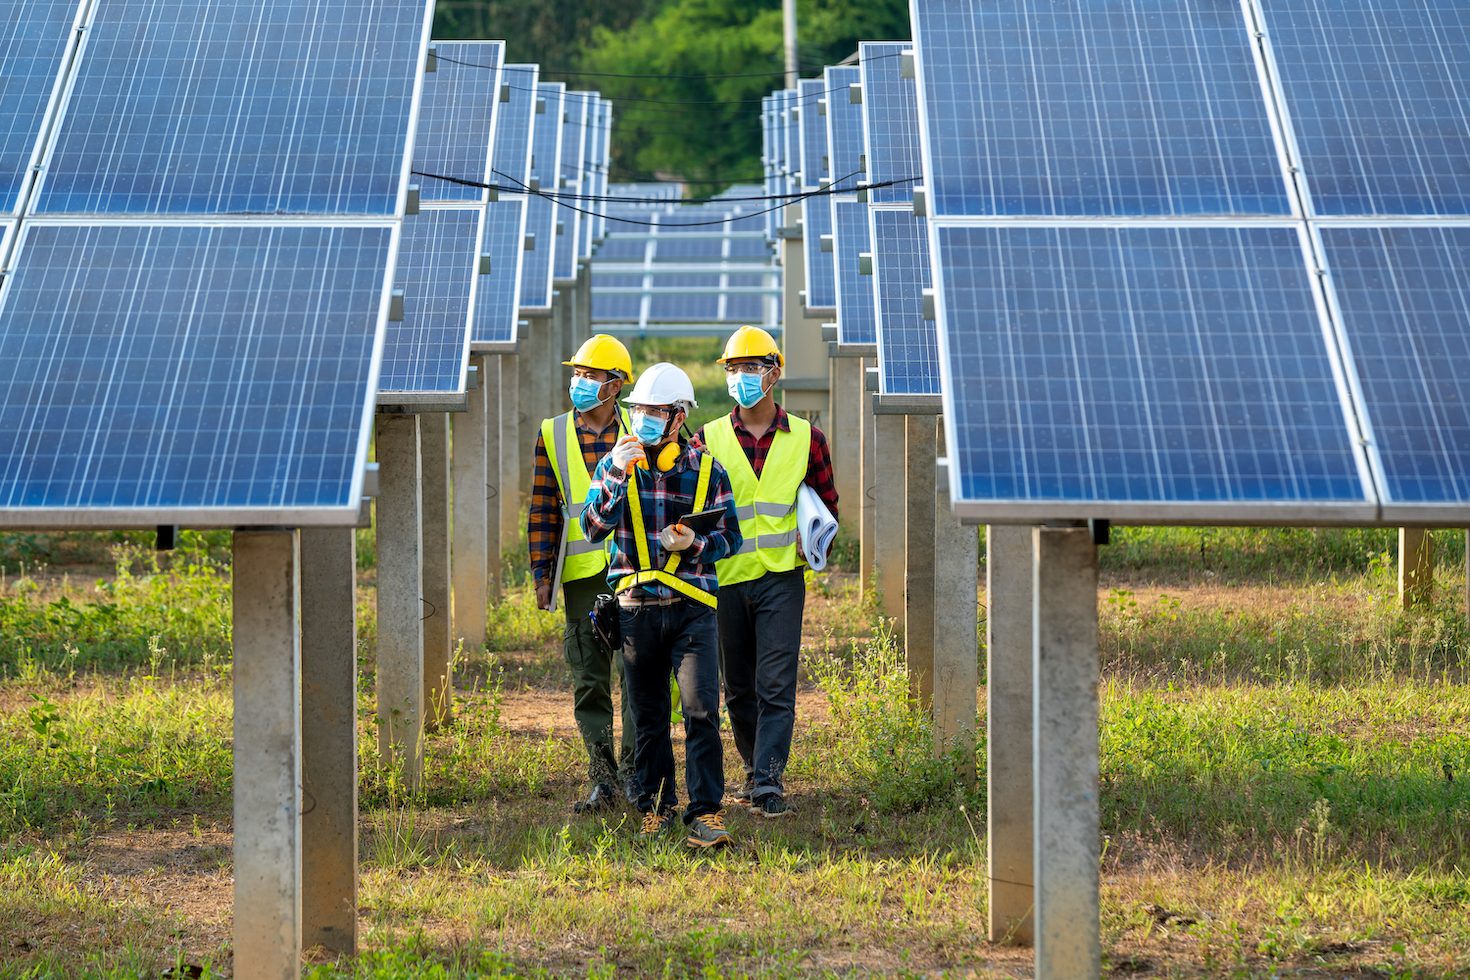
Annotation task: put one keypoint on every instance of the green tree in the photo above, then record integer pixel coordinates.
(548, 32)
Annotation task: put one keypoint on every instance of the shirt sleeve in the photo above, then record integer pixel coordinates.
(819, 471)
(605, 501)
(726, 538)
(544, 522)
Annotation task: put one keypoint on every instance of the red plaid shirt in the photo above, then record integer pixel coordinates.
(818, 460)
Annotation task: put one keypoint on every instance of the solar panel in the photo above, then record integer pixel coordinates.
(844, 129)
(37, 38)
(591, 165)
(1150, 373)
(1378, 99)
(574, 134)
(890, 122)
(1136, 107)
(791, 142)
(497, 300)
(515, 122)
(438, 262)
(855, 322)
(821, 284)
(201, 374)
(302, 107)
(542, 214)
(908, 345)
(602, 174)
(457, 118)
(812, 133)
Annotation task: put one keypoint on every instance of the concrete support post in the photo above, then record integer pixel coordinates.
(1064, 750)
(845, 434)
(438, 622)
(889, 523)
(867, 482)
(1467, 573)
(582, 329)
(468, 547)
(329, 738)
(510, 452)
(531, 403)
(400, 605)
(494, 431)
(1008, 692)
(919, 557)
(1416, 567)
(956, 621)
(267, 756)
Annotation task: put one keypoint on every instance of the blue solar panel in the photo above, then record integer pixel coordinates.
(1178, 368)
(890, 123)
(855, 318)
(908, 345)
(514, 124)
(602, 173)
(541, 214)
(34, 38)
(299, 107)
(456, 119)
(844, 129)
(1134, 107)
(188, 373)
(1402, 297)
(574, 134)
(591, 165)
(821, 279)
(1378, 96)
(813, 133)
(497, 300)
(438, 259)
(791, 141)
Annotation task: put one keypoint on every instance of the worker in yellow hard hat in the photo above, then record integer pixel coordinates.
(568, 450)
(769, 455)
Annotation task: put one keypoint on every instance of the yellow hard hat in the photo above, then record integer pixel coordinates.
(752, 342)
(603, 353)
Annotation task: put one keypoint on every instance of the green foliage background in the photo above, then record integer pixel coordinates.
(717, 143)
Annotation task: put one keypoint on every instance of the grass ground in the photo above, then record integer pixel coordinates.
(1285, 760)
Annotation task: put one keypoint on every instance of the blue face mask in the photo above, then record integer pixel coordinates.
(747, 389)
(585, 394)
(649, 430)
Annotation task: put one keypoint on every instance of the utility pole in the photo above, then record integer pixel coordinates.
(793, 67)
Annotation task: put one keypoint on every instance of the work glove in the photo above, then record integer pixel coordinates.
(676, 537)
(627, 452)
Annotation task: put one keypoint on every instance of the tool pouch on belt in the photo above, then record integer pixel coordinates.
(607, 621)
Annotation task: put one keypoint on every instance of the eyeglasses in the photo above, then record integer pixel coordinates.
(747, 367)
(657, 411)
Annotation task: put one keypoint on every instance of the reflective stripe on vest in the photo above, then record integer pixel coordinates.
(766, 506)
(559, 435)
(647, 574)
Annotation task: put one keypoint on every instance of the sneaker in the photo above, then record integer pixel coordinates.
(603, 797)
(708, 830)
(654, 824)
(771, 806)
(743, 794)
(631, 790)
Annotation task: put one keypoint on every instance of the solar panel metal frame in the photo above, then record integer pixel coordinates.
(41, 138)
(885, 97)
(63, 518)
(521, 81)
(588, 175)
(451, 400)
(463, 192)
(887, 279)
(482, 323)
(544, 228)
(50, 166)
(564, 262)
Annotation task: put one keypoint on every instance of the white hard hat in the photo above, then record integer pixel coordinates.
(664, 384)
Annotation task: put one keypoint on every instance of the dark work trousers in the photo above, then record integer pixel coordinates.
(678, 638)
(594, 665)
(760, 639)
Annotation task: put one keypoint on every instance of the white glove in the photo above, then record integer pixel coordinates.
(676, 537)
(627, 452)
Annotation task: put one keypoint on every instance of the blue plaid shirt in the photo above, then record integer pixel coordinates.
(665, 498)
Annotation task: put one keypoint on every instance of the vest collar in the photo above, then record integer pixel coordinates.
(779, 422)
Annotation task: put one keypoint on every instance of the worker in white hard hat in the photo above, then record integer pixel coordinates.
(568, 449)
(769, 455)
(669, 515)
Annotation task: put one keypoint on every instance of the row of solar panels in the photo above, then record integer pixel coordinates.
(222, 240)
(1190, 260)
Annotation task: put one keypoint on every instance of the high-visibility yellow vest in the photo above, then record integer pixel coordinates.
(665, 576)
(766, 506)
(559, 435)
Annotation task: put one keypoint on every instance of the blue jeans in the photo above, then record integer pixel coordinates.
(678, 638)
(760, 640)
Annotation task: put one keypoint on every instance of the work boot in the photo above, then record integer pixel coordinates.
(603, 797)
(771, 806)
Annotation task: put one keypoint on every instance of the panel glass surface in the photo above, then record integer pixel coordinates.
(844, 129)
(498, 292)
(574, 132)
(855, 322)
(812, 132)
(456, 119)
(185, 366)
(908, 345)
(511, 159)
(238, 107)
(541, 213)
(821, 282)
(891, 123)
(1404, 294)
(1131, 107)
(1139, 364)
(590, 168)
(33, 40)
(437, 261)
(1378, 93)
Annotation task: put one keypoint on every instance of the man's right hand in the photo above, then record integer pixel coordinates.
(626, 452)
(543, 595)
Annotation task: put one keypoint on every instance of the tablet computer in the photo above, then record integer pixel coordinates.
(704, 521)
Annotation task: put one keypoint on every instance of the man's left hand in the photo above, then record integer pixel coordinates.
(676, 537)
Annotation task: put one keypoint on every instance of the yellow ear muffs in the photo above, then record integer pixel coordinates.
(668, 457)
